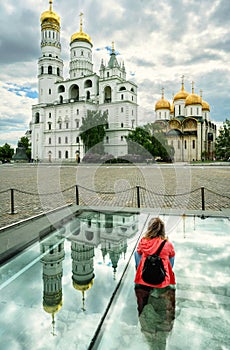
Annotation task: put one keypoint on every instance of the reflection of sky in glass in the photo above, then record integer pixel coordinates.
(202, 297)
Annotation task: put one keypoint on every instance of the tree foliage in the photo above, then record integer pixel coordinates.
(223, 142)
(25, 142)
(6, 152)
(92, 131)
(149, 139)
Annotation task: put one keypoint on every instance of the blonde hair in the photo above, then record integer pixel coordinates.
(156, 228)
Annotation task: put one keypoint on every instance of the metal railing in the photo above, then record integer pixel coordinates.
(137, 197)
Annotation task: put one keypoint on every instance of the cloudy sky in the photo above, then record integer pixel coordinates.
(159, 42)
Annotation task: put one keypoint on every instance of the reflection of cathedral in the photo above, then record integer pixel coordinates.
(62, 103)
(187, 125)
(87, 231)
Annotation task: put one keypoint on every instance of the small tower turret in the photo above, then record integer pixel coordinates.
(80, 54)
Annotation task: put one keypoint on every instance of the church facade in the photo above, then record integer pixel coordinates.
(62, 103)
(187, 125)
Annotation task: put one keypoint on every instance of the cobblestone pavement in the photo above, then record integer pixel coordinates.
(39, 188)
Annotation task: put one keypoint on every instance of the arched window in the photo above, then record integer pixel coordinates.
(61, 99)
(59, 140)
(122, 88)
(77, 139)
(132, 89)
(107, 94)
(66, 139)
(74, 92)
(122, 125)
(185, 144)
(59, 154)
(42, 70)
(50, 70)
(122, 96)
(66, 154)
(61, 88)
(58, 71)
(88, 83)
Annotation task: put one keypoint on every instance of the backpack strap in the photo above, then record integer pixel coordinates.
(160, 248)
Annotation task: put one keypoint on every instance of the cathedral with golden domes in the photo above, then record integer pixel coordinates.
(64, 102)
(187, 125)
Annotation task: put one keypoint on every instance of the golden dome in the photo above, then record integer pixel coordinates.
(205, 106)
(193, 99)
(50, 15)
(182, 94)
(51, 309)
(83, 287)
(172, 109)
(81, 36)
(162, 104)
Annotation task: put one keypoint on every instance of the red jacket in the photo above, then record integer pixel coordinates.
(149, 246)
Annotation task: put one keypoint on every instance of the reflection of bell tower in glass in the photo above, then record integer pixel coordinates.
(53, 254)
(82, 267)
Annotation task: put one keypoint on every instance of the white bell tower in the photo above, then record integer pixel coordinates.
(50, 65)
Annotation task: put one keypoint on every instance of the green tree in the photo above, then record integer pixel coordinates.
(6, 152)
(223, 142)
(92, 131)
(25, 142)
(152, 140)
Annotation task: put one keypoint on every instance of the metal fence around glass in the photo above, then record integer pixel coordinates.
(22, 204)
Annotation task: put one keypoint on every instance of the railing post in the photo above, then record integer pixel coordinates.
(12, 200)
(138, 197)
(77, 195)
(202, 198)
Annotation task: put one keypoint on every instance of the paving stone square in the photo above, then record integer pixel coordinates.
(40, 188)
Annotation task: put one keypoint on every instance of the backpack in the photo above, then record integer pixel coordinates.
(153, 271)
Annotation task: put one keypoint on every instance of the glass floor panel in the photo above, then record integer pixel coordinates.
(74, 289)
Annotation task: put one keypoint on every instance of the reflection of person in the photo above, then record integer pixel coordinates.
(155, 303)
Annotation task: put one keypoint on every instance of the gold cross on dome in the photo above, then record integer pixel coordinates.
(81, 15)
